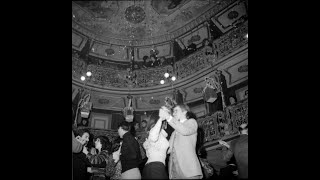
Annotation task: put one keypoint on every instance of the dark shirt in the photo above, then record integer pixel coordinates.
(130, 153)
(80, 164)
(239, 147)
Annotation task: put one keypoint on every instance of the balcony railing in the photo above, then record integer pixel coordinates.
(111, 77)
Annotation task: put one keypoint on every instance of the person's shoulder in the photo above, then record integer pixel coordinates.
(191, 121)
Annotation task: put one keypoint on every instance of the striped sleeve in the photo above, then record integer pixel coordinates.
(98, 158)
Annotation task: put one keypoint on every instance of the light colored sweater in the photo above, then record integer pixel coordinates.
(157, 144)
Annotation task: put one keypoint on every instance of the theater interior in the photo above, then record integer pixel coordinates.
(128, 57)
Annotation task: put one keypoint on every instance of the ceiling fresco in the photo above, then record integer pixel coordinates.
(137, 19)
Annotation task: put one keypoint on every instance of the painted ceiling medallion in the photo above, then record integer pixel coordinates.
(243, 68)
(109, 51)
(233, 15)
(135, 14)
(103, 101)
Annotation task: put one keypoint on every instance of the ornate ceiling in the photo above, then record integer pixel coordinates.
(129, 21)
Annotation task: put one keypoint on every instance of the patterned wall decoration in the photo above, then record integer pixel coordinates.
(232, 40)
(236, 69)
(193, 63)
(164, 50)
(230, 16)
(121, 53)
(165, 7)
(202, 32)
(107, 102)
(222, 124)
(151, 77)
(194, 92)
(150, 102)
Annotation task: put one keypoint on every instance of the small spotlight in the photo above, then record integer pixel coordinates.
(73, 16)
(162, 82)
(166, 75)
(89, 73)
(82, 78)
(246, 36)
(173, 78)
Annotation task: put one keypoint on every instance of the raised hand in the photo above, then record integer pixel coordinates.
(85, 150)
(164, 113)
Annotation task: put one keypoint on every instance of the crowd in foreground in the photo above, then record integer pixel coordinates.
(159, 157)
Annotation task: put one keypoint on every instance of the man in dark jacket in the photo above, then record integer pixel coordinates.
(239, 148)
(130, 155)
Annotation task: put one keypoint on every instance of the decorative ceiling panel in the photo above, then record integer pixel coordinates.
(230, 16)
(236, 69)
(110, 51)
(150, 102)
(107, 102)
(76, 40)
(139, 22)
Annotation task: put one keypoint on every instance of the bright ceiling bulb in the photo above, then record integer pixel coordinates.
(162, 82)
(173, 78)
(89, 73)
(166, 75)
(82, 78)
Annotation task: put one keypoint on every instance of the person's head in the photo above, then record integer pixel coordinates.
(83, 135)
(180, 111)
(102, 143)
(206, 42)
(136, 126)
(84, 121)
(162, 59)
(123, 128)
(144, 123)
(243, 128)
(145, 58)
(232, 100)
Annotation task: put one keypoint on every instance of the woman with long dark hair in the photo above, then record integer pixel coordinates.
(103, 158)
(156, 146)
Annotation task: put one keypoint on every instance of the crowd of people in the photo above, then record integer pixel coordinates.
(161, 156)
